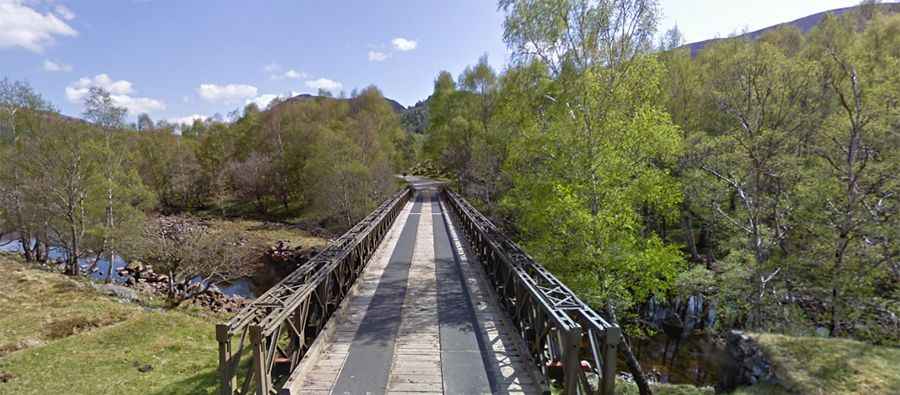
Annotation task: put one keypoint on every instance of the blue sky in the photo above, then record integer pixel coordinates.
(176, 59)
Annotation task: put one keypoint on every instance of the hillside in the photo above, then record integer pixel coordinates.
(396, 106)
(54, 327)
(804, 24)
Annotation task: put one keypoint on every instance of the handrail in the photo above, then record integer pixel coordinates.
(559, 330)
(283, 322)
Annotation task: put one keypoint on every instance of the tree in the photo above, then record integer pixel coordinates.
(252, 179)
(851, 198)
(195, 258)
(144, 123)
(125, 194)
(589, 179)
(579, 33)
(63, 158)
(24, 116)
(750, 159)
(671, 39)
(354, 157)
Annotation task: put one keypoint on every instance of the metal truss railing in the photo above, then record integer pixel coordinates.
(559, 330)
(261, 346)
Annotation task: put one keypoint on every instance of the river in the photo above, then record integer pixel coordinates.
(242, 287)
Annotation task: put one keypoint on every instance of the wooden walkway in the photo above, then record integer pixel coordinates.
(421, 319)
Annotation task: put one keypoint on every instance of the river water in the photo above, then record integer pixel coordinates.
(242, 287)
(681, 351)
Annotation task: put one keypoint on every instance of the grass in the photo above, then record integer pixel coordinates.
(37, 307)
(812, 365)
(69, 339)
(628, 388)
(269, 233)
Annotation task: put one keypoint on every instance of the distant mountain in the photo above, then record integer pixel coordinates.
(396, 106)
(413, 119)
(804, 24)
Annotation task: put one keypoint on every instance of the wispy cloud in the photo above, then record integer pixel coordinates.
(277, 72)
(262, 101)
(52, 66)
(403, 44)
(226, 93)
(325, 84)
(187, 120)
(290, 75)
(378, 56)
(273, 67)
(21, 26)
(64, 12)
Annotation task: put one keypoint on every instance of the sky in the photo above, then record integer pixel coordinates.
(177, 60)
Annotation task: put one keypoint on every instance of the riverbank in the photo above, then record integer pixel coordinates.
(61, 335)
(806, 365)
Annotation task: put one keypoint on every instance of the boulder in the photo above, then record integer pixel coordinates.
(119, 292)
(746, 365)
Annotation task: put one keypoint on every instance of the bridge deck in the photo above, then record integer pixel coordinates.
(422, 319)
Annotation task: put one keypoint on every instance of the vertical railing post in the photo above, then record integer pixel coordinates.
(571, 361)
(263, 382)
(610, 350)
(226, 373)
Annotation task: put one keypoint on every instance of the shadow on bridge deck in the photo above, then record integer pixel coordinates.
(422, 319)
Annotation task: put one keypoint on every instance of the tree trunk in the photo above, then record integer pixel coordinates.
(72, 258)
(634, 367)
(834, 327)
(45, 249)
(26, 247)
(110, 266)
(689, 235)
(38, 249)
(171, 291)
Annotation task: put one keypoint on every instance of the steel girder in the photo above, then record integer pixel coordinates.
(261, 345)
(558, 329)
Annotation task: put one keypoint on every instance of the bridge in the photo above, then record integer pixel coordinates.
(424, 295)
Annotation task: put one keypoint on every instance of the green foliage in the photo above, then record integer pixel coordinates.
(790, 181)
(583, 212)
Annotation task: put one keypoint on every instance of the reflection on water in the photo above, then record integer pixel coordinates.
(680, 352)
(240, 287)
(694, 359)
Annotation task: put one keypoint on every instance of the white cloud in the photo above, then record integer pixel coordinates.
(325, 84)
(22, 26)
(137, 105)
(187, 120)
(50, 65)
(402, 44)
(262, 101)
(226, 93)
(274, 70)
(377, 56)
(290, 74)
(64, 12)
(120, 91)
(79, 89)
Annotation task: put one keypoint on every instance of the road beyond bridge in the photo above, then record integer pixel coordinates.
(417, 298)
